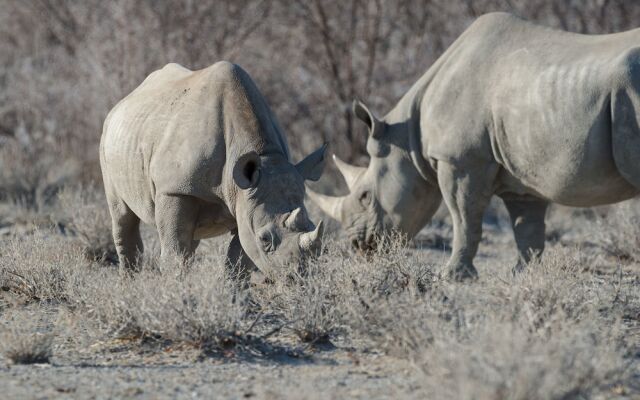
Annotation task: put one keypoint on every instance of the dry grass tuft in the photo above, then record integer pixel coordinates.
(39, 266)
(33, 348)
(23, 342)
(307, 303)
(618, 231)
(197, 304)
(83, 212)
(319, 303)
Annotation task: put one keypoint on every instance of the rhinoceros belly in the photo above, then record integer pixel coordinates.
(554, 138)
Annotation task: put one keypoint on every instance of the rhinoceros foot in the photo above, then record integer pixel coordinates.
(459, 272)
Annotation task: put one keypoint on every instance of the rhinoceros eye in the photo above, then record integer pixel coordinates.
(267, 241)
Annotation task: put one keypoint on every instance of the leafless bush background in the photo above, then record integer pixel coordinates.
(66, 63)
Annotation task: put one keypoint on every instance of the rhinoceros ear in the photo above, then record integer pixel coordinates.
(246, 172)
(312, 166)
(362, 112)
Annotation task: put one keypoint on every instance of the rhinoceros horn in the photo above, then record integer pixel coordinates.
(297, 220)
(329, 204)
(351, 173)
(311, 240)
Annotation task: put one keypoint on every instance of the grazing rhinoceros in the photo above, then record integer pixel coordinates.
(199, 154)
(531, 114)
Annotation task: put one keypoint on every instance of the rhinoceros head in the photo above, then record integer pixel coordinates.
(273, 225)
(387, 195)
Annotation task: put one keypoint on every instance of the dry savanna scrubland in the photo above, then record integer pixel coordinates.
(383, 325)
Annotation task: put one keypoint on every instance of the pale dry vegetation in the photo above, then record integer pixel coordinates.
(619, 230)
(25, 340)
(552, 332)
(563, 329)
(39, 267)
(567, 328)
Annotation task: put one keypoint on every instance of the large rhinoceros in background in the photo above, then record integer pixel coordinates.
(531, 114)
(199, 154)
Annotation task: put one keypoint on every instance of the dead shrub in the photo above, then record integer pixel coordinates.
(39, 266)
(29, 182)
(319, 303)
(31, 177)
(84, 214)
(618, 230)
(307, 303)
(550, 333)
(31, 348)
(24, 342)
(197, 304)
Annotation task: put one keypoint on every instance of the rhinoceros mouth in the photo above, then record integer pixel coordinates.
(365, 240)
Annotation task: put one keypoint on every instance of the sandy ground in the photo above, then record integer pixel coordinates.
(335, 374)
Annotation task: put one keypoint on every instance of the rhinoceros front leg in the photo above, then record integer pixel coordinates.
(238, 263)
(527, 221)
(176, 220)
(466, 192)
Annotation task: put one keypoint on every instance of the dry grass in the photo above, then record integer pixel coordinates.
(563, 329)
(40, 265)
(83, 213)
(28, 348)
(552, 333)
(197, 304)
(618, 230)
(24, 342)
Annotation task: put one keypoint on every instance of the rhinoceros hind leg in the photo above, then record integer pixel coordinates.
(466, 192)
(238, 263)
(527, 221)
(176, 220)
(125, 227)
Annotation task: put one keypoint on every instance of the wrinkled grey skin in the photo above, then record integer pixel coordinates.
(199, 154)
(531, 114)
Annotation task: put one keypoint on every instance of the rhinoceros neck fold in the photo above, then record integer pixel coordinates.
(403, 124)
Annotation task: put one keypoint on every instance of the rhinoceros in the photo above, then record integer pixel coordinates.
(531, 114)
(199, 154)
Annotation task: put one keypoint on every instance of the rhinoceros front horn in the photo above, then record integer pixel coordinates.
(311, 240)
(351, 173)
(329, 204)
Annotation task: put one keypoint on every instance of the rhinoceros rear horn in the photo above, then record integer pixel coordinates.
(332, 206)
(349, 172)
(312, 240)
(246, 171)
